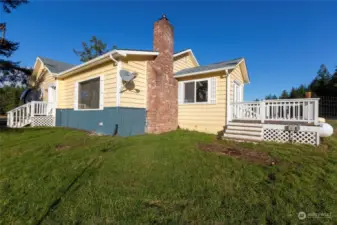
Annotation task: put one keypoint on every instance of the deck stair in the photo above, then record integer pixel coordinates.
(244, 131)
(23, 115)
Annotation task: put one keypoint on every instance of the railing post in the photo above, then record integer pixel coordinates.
(32, 108)
(316, 112)
(8, 119)
(263, 110)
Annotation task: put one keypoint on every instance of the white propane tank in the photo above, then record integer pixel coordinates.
(325, 130)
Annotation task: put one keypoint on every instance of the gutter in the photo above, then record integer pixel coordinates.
(83, 65)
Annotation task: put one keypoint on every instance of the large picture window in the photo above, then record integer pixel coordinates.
(196, 91)
(89, 94)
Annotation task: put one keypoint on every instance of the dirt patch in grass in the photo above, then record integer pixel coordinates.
(61, 147)
(246, 154)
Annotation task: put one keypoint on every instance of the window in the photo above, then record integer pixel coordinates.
(189, 92)
(196, 91)
(89, 94)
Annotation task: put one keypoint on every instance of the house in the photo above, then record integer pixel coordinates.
(129, 92)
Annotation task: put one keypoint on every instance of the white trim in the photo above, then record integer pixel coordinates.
(57, 92)
(195, 89)
(118, 84)
(283, 126)
(122, 53)
(186, 51)
(99, 103)
(39, 59)
(205, 72)
(228, 98)
(56, 99)
(135, 52)
(88, 63)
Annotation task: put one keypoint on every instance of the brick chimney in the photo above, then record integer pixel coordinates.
(162, 91)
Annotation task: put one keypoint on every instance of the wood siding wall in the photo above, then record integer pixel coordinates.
(134, 94)
(67, 85)
(236, 74)
(183, 62)
(48, 80)
(209, 118)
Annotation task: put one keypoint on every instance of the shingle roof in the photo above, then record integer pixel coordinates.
(208, 68)
(56, 66)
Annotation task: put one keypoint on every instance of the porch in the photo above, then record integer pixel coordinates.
(281, 120)
(35, 113)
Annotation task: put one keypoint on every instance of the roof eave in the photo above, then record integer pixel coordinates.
(95, 61)
(245, 72)
(187, 51)
(205, 72)
(38, 59)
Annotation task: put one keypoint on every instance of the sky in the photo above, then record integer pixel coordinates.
(284, 43)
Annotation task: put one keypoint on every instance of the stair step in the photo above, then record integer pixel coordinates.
(243, 132)
(245, 124)
(231, 127)
(242, 137)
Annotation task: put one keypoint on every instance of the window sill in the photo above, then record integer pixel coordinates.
(99, 109)
(198, 103)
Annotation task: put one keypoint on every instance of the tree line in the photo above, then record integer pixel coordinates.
(324, 84)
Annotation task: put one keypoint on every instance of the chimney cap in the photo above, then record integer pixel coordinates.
(164, 17)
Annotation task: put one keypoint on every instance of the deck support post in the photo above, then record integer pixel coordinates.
(263, 111)
(316, 112)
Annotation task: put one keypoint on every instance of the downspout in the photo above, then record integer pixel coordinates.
(118, 88)
(228, 98)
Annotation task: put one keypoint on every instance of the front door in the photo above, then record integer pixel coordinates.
(237, 97)
(237, 92)
(51, 99)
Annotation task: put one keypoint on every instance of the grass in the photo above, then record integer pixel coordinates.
(63, 176)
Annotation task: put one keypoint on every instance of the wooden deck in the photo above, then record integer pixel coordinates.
(275, 122)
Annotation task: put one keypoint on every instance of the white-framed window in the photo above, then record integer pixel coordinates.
(89, 94)
(199, 91)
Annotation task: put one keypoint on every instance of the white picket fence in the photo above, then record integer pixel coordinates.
(295, 110)
(25, 114)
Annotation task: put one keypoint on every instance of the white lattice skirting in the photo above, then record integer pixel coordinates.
(43, 121)
(281, 135)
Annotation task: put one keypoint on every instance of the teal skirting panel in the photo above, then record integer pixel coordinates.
(126, 121)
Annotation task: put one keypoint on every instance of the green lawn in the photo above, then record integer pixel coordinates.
(63, 176)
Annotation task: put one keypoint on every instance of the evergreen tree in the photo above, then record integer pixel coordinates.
(10, 72)
(298, 92)
(270, 97)
(284, 95)
(90, 51)
(333, 83)
(320, 84)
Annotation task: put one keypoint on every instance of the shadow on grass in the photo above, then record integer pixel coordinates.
(57, 201)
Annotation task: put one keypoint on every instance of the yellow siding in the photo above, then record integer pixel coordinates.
(48, 80)
(135, 95)
(67, 85)
(183, 62)
(235, 75)
(208, 118)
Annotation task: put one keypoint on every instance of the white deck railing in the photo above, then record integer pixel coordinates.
(296, 110)
(22, 115)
